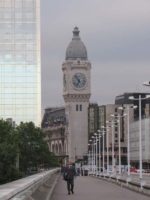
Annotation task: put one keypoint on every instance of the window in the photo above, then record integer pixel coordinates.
(77, 107)
(80, 107)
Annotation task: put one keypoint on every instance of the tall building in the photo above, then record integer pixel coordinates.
(93, 117)
(76, 92)
(98, 117)
(145, 104)
(20, 72)
(145, 143)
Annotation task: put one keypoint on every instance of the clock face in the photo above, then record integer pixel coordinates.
(79, 80)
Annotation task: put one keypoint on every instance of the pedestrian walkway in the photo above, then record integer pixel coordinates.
(90, 188)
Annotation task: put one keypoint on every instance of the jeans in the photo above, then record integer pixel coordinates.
(70, 185)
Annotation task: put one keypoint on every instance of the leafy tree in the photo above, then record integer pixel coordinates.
(8, 138)
(25, 146)
(33, 149)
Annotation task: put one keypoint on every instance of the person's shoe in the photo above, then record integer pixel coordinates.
(72, 191)
(68, 193)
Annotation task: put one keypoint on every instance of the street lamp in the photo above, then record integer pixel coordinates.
(119, 145)
(107, 141)
(95, 134)
(93, 154)
(99, 134)
(111, 124)
(90, 154)
(146, 83)
(112, 146)
(127, 107)
(105, 132)
(107, 138)
(113, 159)
(140, 130)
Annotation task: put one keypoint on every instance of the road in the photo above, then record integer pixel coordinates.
(90, 188)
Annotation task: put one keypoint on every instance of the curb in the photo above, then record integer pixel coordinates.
(52, 188)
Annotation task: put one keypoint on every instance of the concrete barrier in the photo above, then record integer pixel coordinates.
(24, 188)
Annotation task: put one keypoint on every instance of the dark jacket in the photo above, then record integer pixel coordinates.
(69, 173)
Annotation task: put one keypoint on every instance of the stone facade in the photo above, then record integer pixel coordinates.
(54, 126)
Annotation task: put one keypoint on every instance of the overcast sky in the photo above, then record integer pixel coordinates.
(116, 34)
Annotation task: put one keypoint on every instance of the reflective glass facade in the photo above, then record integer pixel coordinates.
(20, 71)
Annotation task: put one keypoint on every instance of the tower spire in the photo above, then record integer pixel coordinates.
(76, 32)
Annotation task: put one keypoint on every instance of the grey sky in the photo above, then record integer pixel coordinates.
(116, 34)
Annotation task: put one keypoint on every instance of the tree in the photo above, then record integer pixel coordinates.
(33, 149)
(22, 149)
(8, 152)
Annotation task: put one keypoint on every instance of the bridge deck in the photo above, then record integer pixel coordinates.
(89, 188)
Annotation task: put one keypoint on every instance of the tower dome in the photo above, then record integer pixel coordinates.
(76, 48)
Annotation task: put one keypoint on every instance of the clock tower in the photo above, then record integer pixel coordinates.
(76, 92)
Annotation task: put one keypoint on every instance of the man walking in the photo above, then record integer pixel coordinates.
(69, 174)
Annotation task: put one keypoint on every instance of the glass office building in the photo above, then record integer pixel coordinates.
(20, 69)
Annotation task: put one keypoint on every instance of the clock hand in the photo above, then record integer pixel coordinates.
(77, 80)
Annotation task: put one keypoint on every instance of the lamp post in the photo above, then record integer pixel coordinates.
(140, 131)
(112, 125)
(99, 134)
(119, 138)
(93, 154)
(107, 143)
(92, 157)
(113, 160)
(128, 107)
(103, 151)
(119, 146)
(90, 160)
(103, 134)
(107, 138)
(95, 134)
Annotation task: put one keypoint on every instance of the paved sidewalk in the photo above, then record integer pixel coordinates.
(89, 188)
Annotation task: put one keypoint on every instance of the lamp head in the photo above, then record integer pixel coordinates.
(131, 97)
(147, 96)
(146, 83)
(120, 108)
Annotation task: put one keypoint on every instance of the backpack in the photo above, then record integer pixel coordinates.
(65, 176)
